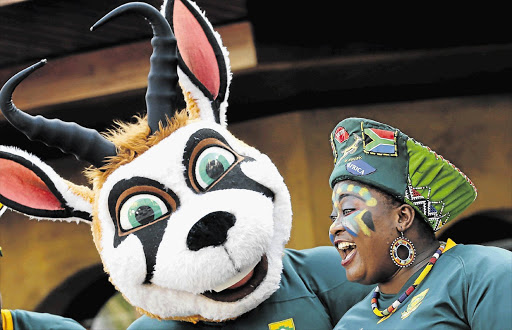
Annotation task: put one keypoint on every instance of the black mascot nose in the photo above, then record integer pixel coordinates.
(211, 230)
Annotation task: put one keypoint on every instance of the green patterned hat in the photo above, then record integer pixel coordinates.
(383, 157)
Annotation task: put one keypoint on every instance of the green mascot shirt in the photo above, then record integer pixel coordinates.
(25, 320)
(470, 287)
(314, 293)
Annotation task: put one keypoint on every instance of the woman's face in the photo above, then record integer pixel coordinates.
(363, 228)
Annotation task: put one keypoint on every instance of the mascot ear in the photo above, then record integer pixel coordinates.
(204, 69)
(31, 187)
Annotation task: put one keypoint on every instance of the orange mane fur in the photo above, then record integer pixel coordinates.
(133, 139)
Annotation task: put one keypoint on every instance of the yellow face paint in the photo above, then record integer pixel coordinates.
(364, 193)
(360, 220)
(362, 225)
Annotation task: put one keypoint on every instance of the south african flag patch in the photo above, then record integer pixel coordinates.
(379, 142)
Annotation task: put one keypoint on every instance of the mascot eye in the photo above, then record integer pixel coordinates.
(140, 210)
(211, 164)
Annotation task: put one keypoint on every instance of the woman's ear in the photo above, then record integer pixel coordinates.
(406, 214)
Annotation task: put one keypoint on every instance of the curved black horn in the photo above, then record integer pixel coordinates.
(163, 77)
(84, 143)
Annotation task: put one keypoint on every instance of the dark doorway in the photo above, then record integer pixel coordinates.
(490, 227)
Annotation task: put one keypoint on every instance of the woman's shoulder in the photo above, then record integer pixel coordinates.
(479, 251)
(479, 258)
(483, 273)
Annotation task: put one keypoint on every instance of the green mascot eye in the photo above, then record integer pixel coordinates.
(140, 210)
(211, 164)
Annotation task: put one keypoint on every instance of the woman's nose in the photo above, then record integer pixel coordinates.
(336, 226)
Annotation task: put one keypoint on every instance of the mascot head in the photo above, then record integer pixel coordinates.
(189, 221)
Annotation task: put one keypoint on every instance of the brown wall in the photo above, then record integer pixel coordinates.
(473, 133)
(39, 255)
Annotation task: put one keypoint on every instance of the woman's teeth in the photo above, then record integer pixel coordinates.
(346, 245)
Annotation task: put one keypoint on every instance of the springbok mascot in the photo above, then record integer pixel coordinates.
(189, 221)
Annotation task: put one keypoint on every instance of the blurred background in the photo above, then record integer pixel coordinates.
(443, 77)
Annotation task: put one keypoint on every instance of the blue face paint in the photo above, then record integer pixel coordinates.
(350, 223)
(331, 237)
(350, 232)
(360, 220)
(358, 191)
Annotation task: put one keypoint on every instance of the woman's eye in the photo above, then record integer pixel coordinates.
(211, 164)
(334, 215)
(347, 211)
(140, 210)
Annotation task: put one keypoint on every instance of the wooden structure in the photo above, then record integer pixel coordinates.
(294, 78)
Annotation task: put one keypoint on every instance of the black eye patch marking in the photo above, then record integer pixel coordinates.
(139, 202)
(236, 179)
(142, 206)
(210, 161)
(211, 164)
(207, 158)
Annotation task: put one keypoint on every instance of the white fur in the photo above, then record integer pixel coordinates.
(203, 102)
(262, 227)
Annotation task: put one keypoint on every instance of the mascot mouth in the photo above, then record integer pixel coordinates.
(243, 287)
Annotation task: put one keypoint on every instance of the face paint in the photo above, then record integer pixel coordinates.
(350, 224)
(361, 192)
(331, 237)
(360, 220)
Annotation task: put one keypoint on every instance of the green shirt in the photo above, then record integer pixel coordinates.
(469, 287)
(314, 293)
(25, 320)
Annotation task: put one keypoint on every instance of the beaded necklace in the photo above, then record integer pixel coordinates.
(392, 308)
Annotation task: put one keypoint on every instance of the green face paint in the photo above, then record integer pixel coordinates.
(359, 220)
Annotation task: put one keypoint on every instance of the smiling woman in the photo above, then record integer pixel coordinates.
(389, 198)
